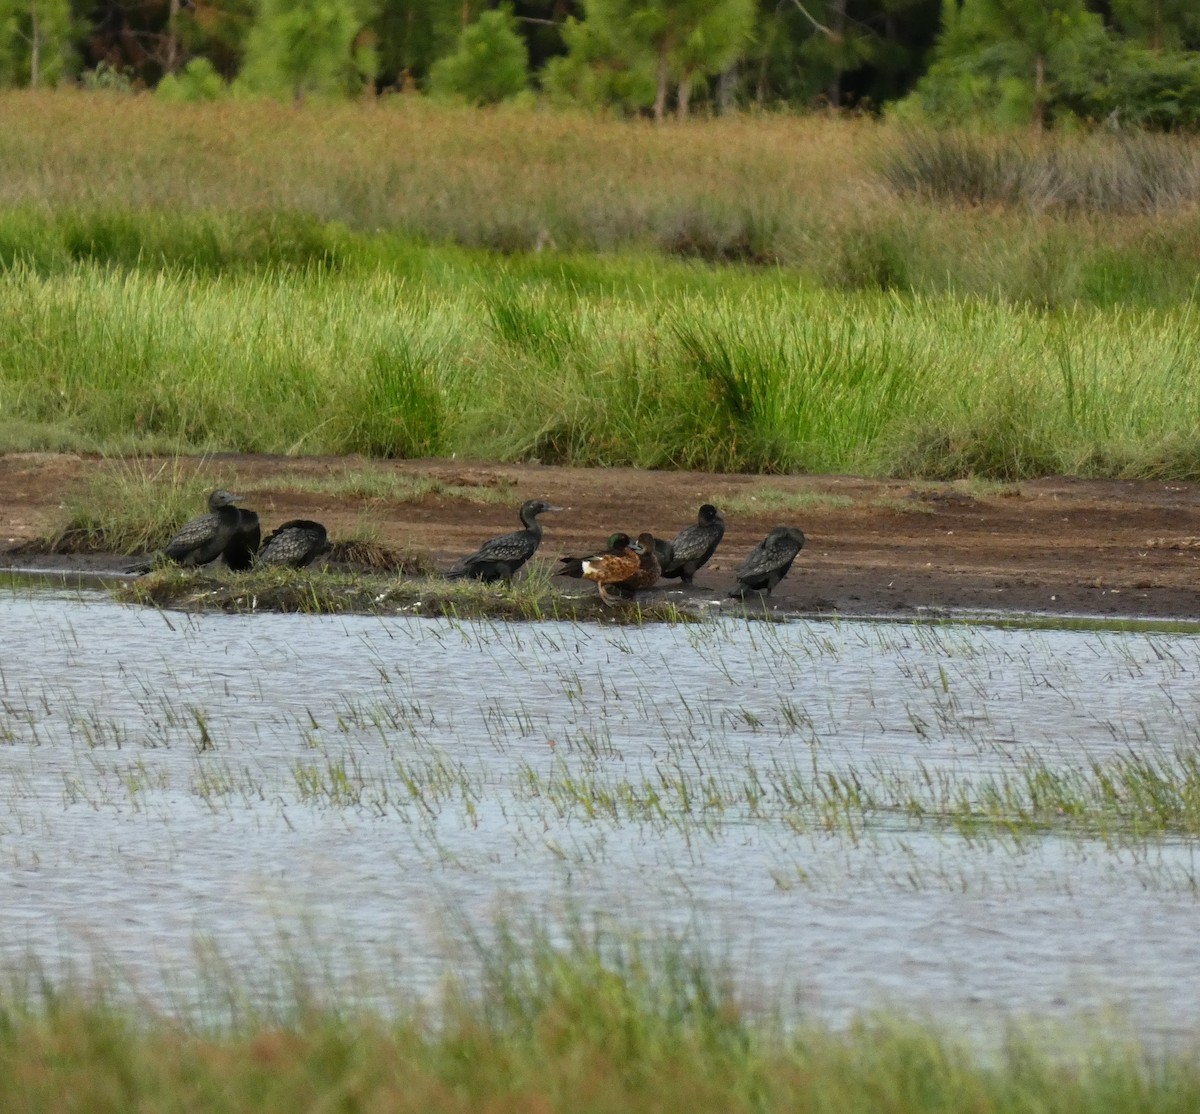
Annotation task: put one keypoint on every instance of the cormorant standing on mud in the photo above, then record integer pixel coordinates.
(769, 561)
(692, 546)
(501, 557)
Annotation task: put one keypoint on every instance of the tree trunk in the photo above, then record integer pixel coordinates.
(683, 97)
(1039, 93)
(727, 89)
(837, 28)
(172, 62)
(35, 47)
(664, 74)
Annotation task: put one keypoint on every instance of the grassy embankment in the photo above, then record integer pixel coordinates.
(254, 278)
(593, 1027)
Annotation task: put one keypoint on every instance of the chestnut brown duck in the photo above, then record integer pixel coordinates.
(649, 567)
(573, 566)
(617, 563)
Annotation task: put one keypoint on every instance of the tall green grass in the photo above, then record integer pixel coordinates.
(591, 1024)
(582, 361)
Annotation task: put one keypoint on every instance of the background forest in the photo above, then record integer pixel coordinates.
(998, 62)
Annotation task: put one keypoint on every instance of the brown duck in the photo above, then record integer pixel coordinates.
(616, 564)
(649, 569)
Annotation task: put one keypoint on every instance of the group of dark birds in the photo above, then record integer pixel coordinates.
(232, 534)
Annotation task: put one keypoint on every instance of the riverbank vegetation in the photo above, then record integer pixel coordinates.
(594, 1024)
(772, 294)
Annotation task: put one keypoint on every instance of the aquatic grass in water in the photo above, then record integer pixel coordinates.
(570, 1020)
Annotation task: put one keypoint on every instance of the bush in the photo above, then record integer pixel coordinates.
(199, 81)
(490, 63)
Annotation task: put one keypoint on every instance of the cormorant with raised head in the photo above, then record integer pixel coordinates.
(298, 542)
(769, 561)
(501, 557)
(691, 548)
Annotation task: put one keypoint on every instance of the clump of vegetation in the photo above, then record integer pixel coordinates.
(595, 1023)
(128, 507)
(317, 591)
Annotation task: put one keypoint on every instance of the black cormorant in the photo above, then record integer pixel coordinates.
(691, 548)
(240, 552)
(297, 543)
(501, 557)
(203, 539)
(769, 561)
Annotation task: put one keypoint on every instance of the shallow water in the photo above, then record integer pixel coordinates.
(336, 794)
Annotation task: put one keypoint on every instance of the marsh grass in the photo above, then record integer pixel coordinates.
(745, 373)
(852, 203)
(768, 498)
(129, 507)
(579, 1021)
(1135, 172)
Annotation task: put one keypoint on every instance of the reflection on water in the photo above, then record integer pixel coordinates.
(339, 788)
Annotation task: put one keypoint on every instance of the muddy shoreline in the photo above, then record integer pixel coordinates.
(1103, 548)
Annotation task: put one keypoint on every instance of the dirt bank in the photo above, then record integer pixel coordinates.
(1057, 545)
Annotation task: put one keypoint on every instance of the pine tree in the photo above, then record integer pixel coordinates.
(35, 41)
(489, 64)
(1030, 33)
(298, 48)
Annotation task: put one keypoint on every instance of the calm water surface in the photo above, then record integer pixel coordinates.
(337, 794)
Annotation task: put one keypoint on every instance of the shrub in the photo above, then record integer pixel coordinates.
(489, 64)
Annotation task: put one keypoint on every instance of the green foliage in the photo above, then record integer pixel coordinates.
(198, 81)
(1130, 86)
(679, 41)
(595, 72)
(1002, 59)
(35, 42)
(489, 64)
(301, 48)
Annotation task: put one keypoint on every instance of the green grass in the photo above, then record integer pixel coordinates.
(763, 294)
(534, 595)
(649, 363)
(593, 1023)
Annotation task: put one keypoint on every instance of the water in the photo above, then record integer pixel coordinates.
(339, 795)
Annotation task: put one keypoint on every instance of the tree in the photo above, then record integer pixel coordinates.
(299, 48)
(683, 39)
(1030, 35)
(35, 41)
(1003, 57)
(1160, 24)
(489, 64)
